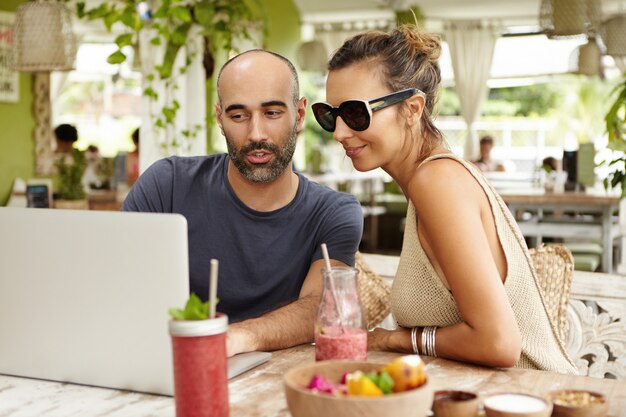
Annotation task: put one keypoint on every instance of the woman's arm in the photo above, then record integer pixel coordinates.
(455, 226)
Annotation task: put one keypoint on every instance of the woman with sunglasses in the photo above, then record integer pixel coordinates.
(464, 288)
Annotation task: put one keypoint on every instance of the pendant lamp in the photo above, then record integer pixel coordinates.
(569, 18)
(590, 58)
(312, 56)
(613, 32)
(43, 38)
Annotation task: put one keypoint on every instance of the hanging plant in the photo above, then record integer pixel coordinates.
(172, 25)
(615, 121)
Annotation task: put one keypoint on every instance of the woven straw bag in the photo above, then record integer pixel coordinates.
(374, 294)
(554, 265)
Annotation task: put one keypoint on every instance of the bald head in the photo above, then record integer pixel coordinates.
(258, 63)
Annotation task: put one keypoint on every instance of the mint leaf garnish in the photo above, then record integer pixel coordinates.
(195, 309)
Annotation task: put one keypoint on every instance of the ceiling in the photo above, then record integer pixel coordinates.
(515, 17)
(511, 12)
(437, 8)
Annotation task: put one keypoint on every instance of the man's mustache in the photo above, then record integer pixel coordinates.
(256, 146)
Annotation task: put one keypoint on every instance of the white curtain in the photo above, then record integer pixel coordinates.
(190, 92)
(471, 43)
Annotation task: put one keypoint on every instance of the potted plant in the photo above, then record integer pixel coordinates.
(615, 120)
(70, 192)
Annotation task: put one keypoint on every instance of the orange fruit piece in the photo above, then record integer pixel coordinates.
(359, 384)
(408, 372)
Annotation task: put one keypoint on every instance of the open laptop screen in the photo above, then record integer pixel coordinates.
(84, 295)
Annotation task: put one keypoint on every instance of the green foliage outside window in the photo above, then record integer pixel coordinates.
(448, 103)
(615, 122)
(524, 101)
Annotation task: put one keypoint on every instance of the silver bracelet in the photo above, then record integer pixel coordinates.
(414, 340)
(432, 345)
(428, 341)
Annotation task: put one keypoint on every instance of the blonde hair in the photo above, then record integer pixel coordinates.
(406, 58)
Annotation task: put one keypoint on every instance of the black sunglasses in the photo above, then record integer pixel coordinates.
(357, 114)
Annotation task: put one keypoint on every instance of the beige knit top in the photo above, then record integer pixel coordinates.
(420, 298)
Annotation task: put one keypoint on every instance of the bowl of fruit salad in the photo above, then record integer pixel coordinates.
(359, 389)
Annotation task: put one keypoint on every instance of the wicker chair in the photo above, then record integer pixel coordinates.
(374, 294)
(554, 266)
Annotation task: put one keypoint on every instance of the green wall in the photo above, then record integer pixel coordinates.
(17, 148)
(283, 21)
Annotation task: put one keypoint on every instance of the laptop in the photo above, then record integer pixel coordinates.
(84, 297)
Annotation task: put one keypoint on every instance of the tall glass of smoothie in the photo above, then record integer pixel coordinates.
(340, 330)
(200, 374)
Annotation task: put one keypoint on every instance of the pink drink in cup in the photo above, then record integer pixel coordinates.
(340, 330)
(200, 374)
(335, 344)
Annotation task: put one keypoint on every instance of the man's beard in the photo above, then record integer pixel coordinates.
(263, 172)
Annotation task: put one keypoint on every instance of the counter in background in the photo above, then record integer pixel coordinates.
(104, 200)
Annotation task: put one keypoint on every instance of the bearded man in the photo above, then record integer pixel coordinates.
(249, 209)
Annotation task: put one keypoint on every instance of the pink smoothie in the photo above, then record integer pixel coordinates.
(332, 343)
(200, 384)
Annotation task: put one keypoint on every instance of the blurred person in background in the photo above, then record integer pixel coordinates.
(65, 136)
(485, 162)
(127, 164)
(132, 160)
(550, 164)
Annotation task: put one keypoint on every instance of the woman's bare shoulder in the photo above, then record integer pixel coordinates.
(443, 178)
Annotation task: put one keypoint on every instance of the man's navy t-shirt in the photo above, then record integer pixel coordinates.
(264, 257)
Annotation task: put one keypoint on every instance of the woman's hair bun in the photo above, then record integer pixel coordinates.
(426, 43)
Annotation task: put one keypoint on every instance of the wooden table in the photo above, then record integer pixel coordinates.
(597, 202)
(259, 392)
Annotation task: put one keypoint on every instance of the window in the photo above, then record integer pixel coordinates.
(103, 101)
